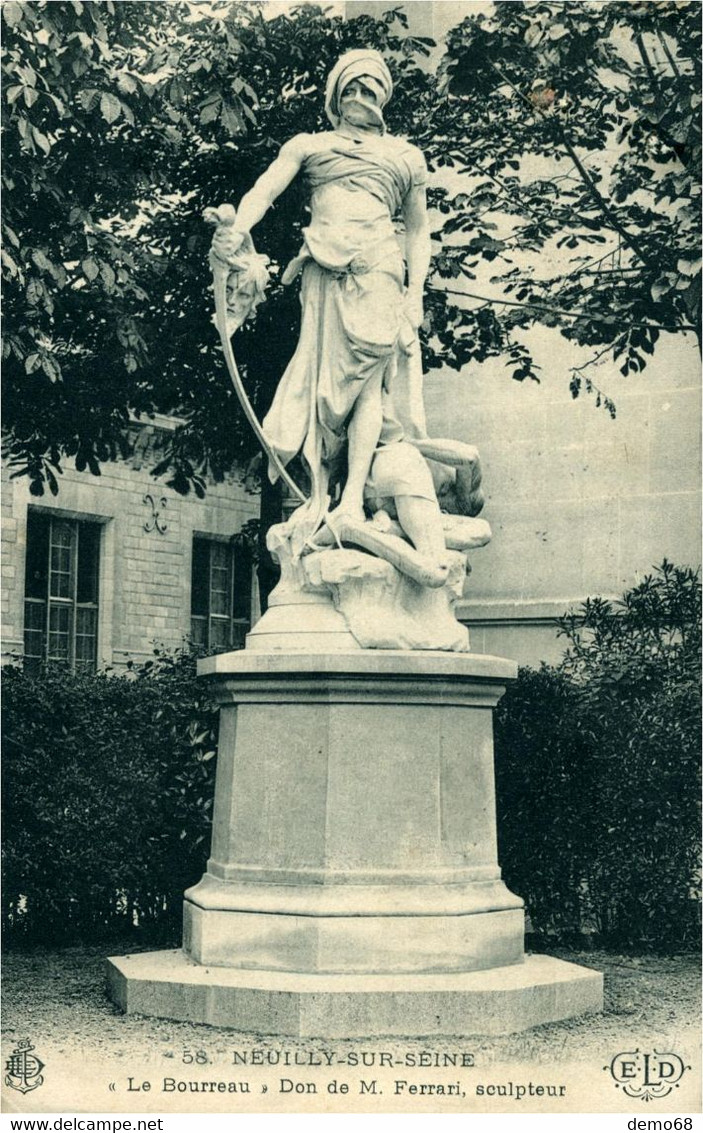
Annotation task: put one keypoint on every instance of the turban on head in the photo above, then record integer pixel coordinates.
(353, 65)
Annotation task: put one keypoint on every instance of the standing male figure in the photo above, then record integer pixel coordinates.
(356, 369)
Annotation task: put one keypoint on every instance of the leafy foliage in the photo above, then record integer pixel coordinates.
(122, 122)
(576, 130)
(107, 798)
(648, 638)
(598, 771)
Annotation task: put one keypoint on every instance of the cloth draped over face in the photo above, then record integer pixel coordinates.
(358, 64)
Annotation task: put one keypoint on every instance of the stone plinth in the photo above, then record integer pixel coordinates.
(353, 885)
(354, 822)
(495, 1002)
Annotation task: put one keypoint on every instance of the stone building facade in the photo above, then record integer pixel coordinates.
(118, 564)
(580, 505)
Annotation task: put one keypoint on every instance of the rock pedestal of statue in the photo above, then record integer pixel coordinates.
(353, 887)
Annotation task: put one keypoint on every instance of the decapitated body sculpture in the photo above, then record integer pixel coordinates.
(350, 401)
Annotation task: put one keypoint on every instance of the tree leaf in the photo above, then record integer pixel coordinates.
(110, 107)
(126, 84)
(127, 112)
(689, 266)
(88, 99)
(51, 481)
(90, 268)
(9, 263)
(41, 260)
(60, 108)
(232, 119)
(210, 112)
(662, 286)
(108, 275)
(533, 35)
(41, 140)
(177, 92)
(34, 292)
(51, 368)
(12, 13)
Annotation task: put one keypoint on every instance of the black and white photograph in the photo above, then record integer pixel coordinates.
(351, 544)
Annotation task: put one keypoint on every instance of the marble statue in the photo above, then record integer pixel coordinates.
(350, 401)
(353, 887)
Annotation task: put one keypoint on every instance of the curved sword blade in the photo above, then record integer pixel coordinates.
(220, 274)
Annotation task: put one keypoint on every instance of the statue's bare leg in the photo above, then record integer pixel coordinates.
(421, 521)
(363, 433)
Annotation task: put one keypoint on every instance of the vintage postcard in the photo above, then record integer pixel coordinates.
(351, 545)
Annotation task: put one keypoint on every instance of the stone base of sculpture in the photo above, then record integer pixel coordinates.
(337, 600)
(353, 886)
(500, 1001)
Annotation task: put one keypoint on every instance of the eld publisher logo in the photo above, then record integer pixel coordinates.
(647, 1076)
(24, 1070)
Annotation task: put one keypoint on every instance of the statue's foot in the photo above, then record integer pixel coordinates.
(345, 515)
(332, 524)
(337, 526)
(465, 533)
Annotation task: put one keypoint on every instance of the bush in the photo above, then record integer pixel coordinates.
(107, 795)
(598, 771)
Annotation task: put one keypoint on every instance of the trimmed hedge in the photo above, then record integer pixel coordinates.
(107, 794)
(598, 772)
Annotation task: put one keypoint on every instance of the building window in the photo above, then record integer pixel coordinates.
(220, 602)
(61, 592)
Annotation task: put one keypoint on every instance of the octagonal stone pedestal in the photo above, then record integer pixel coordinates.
(353, 887)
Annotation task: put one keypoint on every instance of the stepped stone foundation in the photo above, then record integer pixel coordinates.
(353, 887)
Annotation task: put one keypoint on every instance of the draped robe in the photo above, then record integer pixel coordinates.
(353, 327)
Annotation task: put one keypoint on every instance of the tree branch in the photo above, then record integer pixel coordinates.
(651, 73)
(586, 178)
(672, 62)
(508, 190)
(592, 361)
(499, 302)
(593, 263)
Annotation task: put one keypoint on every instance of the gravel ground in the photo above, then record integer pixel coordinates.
(58, 999)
